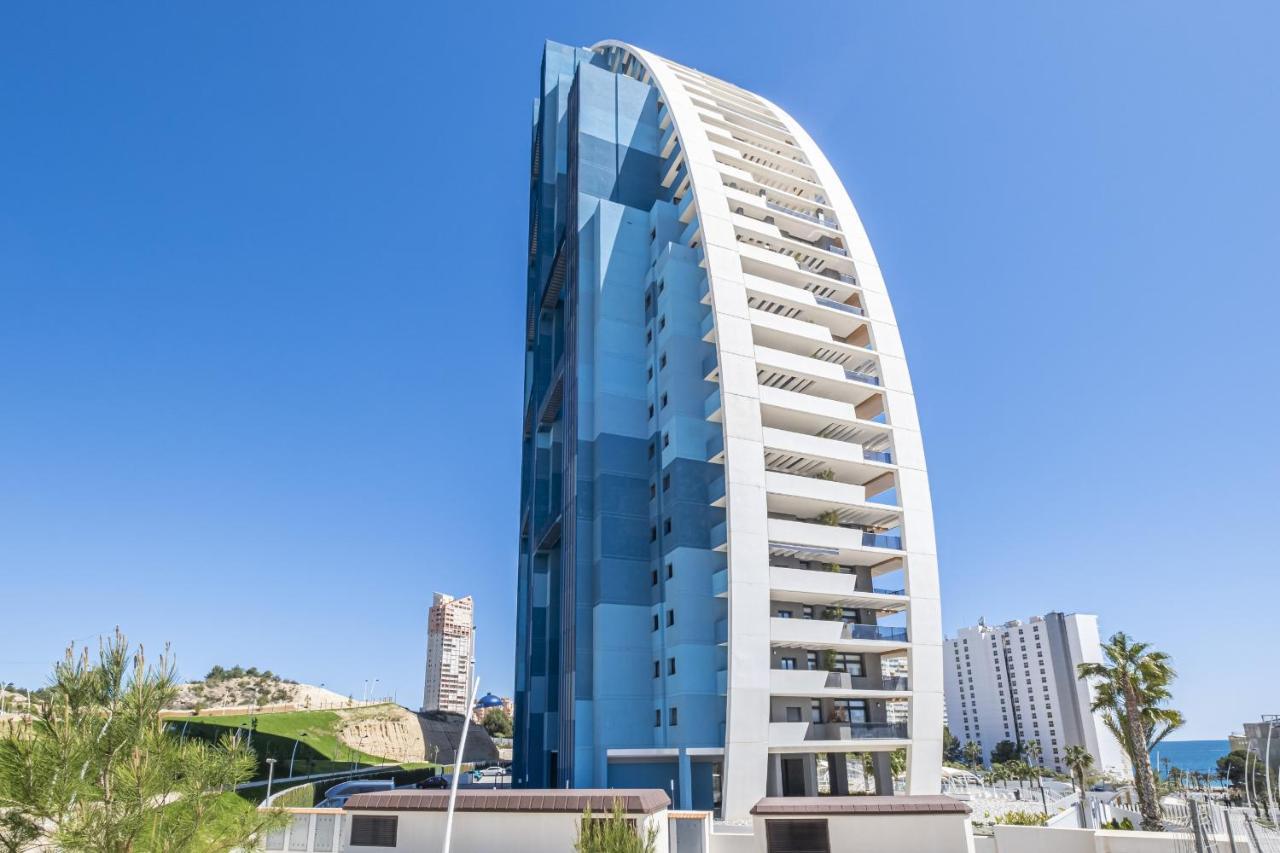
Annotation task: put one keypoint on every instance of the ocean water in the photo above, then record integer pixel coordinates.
(1199, 755)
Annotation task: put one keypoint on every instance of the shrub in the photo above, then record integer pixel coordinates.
(1023, 818)
(616, 833)
(301, 797)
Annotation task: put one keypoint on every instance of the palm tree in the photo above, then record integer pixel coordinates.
(1079, 760)
(973, 754)
(1130, 690)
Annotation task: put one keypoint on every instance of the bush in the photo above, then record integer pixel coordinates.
(301, 797)
(1023, 818)
(616, 833)
(1125, 824)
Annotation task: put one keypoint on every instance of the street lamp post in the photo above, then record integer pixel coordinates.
(1266, 771)
(457, 767)
(294, 754)
(271, 773)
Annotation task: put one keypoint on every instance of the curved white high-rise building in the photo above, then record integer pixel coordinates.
(790, 544)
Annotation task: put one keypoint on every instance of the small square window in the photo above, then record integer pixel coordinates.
(657, 718)
(662, 361)
(653, 491)
(651, 373)
(653, 534)
(671, 618)
(655, 621)
(671, 717)
(651, 411)
(671, 570)
(652, 449)
(666, 526)
(664, 399)
(657, 669)
(666, 439)
(666, 482)
(671, 666)
(648, 336)
(655, 577)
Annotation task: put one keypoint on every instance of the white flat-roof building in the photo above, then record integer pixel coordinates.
(1017, 682)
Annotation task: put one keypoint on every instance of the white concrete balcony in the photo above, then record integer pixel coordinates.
(812, 634)
(787, 452)
(788, 242)
(813, 377)
(819, 587)
(837, 737)
(807, 497)
(769, 142)
(796, 221)
(840, 319)
(827, 419)
(830, 283)
(805, 334)
(822, 684)
(845, 545)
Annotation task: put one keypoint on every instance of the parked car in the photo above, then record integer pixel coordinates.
(433, 782)
(493, 771)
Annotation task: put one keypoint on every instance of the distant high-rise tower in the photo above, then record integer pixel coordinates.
(450, 654)
(725, 520)
(1018, 682)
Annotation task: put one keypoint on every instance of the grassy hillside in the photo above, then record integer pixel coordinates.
(315, 733)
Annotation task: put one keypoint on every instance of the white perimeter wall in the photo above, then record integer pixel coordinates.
(485, 832)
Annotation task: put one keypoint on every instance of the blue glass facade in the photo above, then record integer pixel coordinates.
(618, 648)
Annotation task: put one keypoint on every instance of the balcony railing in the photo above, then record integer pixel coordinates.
(839, 306)
(837, 250)
(845, 681)
(859, 376)
(830, 223)
(877, 456)
(882, 540)
(854, 631)
(856, 731)
(839, 276)
(882, 591)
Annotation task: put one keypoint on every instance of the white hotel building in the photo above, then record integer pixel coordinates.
(1017, 682)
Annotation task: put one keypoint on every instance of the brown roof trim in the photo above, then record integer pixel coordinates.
(634, 800)
(925, 804)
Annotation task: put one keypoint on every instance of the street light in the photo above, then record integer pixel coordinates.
(294, 754)
(457, 767)
(271, 773)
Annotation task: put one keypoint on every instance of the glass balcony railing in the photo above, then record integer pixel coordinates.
(878, 590)
(854, 731)
(859, 376)
(878, 456)
(837, 250)
(882, 540)
(808, 217)
(854, 631)
(839, 276)
(874, 731)
(846, 681)
(839, 306)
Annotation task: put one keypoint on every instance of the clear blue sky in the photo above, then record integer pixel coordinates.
(261, 293)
